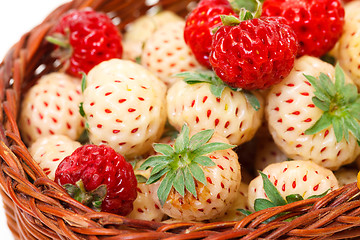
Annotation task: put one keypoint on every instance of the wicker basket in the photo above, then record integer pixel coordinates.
(35, 206)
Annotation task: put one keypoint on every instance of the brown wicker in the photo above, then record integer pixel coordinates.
(35, 206)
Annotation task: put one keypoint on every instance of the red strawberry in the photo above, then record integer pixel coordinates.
(85, 38)
(254, 54)
(318, 24)
(199, 27)
(99, 168)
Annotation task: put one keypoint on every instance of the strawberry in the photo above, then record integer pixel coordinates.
(313, 119)
(289, 181)
(99, 177)
(346, 175)
(241, 202)
(145, 207)
(166, 53)
(347, 49)
(202, 101)
(255, 53)
(124, 106)
(49, 151)
(196, 179)
(52, 107)
(84, 39)
(200, 23)
(318, 24)
(138, 31)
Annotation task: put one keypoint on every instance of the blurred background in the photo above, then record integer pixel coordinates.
(16, 18)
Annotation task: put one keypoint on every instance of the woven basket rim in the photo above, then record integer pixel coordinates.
(35, 205)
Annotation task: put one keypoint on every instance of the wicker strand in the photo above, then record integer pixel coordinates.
(38, 208)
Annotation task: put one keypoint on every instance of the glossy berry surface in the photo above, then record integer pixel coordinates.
(199, 27)
(92, 38)
(97, 165)
(318, 24)
(255, 54)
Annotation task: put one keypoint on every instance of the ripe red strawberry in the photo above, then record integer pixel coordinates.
(318, 24)
(199, 27)
(254, 54)
(85, 38)
(99, 168)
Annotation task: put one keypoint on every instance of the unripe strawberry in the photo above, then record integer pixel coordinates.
(304, 178)
(304, 127)
(52, 107)
(138, 31)
(200, 184)
(124, 106)
(230, 114)
(49, 151)
(166, 53)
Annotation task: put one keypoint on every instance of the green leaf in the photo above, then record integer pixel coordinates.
(217, 90)
(250, 5)
(323, 105)
(200, 139)
(339, 77)
(252, 99)
(320, 195)
(164, 149)
(294, 198)
(189, 182)
(138, 59)
(261, 204)
(83, 81)
(194, 77)
(353, 125)
(140, 178)
(327, 84)
(157, 172)
(165, 187)
(153, 161)
(197, 172)
(338, 128)
(319, 92)
(81, 109)
(211, 147)
(271, 191)
(204, 161)
(182, 141)
(324, 122)
(230, 20)
(179, 182)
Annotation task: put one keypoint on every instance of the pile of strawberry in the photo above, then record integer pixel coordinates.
(155, 122)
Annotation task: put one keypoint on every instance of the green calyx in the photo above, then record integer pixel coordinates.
(217, 86)
(65, 49)
(92, 199)
(340, 103)
(275, 199)
(179, 166)
(246, 9)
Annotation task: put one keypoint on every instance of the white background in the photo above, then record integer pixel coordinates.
(18, 17)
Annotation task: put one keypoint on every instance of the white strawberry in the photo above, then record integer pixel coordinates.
(347, 50)
(49, 151)
(198, 180)
(138, 31)
(309, 123)
(124, 106)
(52, 107)
(303, 178)
(346, 175)
(166, 53)
(241, 202)
(202, 106)
(144, 207)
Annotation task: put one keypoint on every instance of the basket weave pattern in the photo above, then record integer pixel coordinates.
(37, 208)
